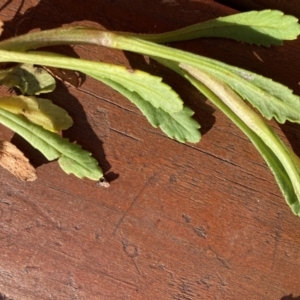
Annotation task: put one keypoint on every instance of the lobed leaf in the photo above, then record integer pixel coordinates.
(29, 79)
(282, 161)
(39, 111)
(266, 27)
(71, 157)
(271, 98)
(150, 87)
(179, 125)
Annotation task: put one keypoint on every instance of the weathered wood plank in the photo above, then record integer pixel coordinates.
(203, 221)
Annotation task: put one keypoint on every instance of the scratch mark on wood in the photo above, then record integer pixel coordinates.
(207, 281)
(162, 267)
(186, 218)
(108, 101)
(125, 134)
(98, 271)
(132, 251)
(135, 199)
(97, 236)
(277, 238)
(224, 262)
(136, 266)
(186, 289)
(200, 231)
(64, 255)
(29, 269)
(80, 199)
(73, 286)
(42, 213)
(5, 211)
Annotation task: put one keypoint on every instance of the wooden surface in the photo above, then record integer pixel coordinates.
(181, 222)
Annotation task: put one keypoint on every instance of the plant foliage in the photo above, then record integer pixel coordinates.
(228, 87)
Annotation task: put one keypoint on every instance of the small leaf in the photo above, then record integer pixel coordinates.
(179, 125)
(39, 111)
(71, 157)
(30, 80)
(13, 160)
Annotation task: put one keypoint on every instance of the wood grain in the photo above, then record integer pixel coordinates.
(203, 221)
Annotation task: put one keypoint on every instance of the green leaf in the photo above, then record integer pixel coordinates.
(30, 80)
(266, 27)
(179, 126)
(39, 111)
(282, 177)
(272, 99)
(151, 88)
(137, 85)
(71, 157)
(282, 161)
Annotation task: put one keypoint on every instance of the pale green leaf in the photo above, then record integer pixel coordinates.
(281, 160)
(150, 87)
(71, 157)
(282, 177)
(180, 126)
(39, 111)
(266, 27)
(30, 80)
(271, 98)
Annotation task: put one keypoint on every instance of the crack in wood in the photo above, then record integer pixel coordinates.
(135, 199)
(125, 134)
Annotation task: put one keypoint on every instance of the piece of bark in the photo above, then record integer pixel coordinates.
(13, 160)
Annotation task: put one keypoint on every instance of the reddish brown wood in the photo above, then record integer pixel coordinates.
(203, 221)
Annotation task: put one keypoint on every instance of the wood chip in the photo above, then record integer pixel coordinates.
(103, 182)
(13, 160)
